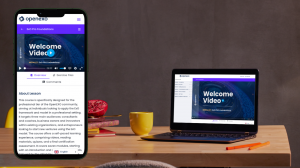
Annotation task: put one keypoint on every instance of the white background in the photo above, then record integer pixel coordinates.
(183, 99)
(66, 19)
(72, 87)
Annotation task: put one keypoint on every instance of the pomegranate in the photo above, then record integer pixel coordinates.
(97, 108)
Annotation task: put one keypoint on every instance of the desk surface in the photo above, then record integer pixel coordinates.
(127, 146)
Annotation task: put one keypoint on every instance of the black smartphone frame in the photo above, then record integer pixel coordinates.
(215, 128)
(51, 13)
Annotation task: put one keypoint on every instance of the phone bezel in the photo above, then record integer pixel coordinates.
(50, 13)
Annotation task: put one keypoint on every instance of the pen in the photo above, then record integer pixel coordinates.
(242, 146)
(260, 145)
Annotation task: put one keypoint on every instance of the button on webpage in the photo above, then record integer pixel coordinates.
(50, 52)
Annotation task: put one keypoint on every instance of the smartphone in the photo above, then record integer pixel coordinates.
(50, 93)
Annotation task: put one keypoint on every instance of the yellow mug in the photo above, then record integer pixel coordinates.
(141, 123)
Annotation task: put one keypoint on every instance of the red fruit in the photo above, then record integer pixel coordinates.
(97, 108)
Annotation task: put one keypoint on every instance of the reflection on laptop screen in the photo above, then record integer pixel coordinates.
(214, 99)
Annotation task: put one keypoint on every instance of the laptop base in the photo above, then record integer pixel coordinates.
(199, 137)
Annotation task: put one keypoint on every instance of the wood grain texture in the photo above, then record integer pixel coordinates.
(133, 46)
(127, 146)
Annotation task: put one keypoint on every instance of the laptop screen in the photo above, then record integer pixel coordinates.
(214, 99)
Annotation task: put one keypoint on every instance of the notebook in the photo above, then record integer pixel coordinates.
(212, 105)
(101, 133)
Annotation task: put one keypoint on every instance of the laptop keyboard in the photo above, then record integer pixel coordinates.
(211, 135)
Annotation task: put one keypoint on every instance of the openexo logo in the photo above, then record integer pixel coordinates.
(29, 19)
(36, 50)
(21, 18)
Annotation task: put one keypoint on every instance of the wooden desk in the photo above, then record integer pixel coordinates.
(127, 146)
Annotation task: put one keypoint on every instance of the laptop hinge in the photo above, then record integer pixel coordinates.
(180, 131)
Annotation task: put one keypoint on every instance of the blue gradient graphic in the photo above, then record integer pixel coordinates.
(238, 107)
(70, 55)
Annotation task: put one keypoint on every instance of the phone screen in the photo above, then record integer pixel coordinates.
(50, 115)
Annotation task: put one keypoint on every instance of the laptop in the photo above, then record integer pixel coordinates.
(212, 105)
